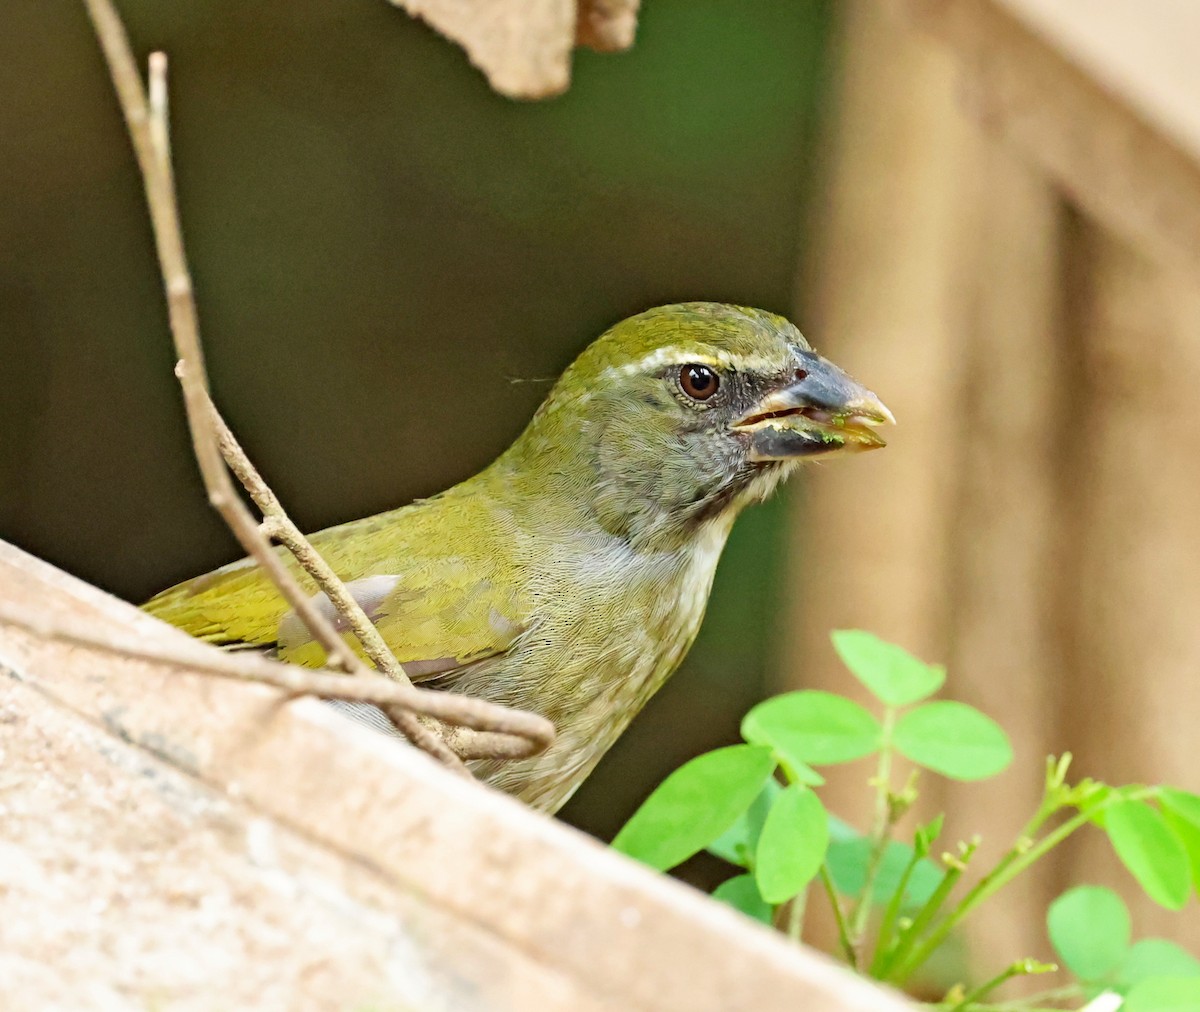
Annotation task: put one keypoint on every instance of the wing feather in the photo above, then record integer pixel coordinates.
(437, 610)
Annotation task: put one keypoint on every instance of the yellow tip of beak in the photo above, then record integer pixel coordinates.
(871, 409)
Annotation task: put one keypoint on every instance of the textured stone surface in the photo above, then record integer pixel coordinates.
(172, 840)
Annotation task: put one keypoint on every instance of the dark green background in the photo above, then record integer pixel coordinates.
(381, 247)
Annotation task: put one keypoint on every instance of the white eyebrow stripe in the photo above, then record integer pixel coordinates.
(675, 355)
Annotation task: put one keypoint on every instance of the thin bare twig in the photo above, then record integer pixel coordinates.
(467, 743)
(465, 711)
(279, 527)
(147, 123)
(159, 184)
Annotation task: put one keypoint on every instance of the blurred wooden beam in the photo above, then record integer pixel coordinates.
(1102, 97)
(887, 303)
(1136, 688)
(1033, 521)
(170, 836)
(1103, 100)
(1007, 542)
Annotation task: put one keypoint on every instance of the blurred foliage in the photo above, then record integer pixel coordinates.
(381, 248)
(759, 806)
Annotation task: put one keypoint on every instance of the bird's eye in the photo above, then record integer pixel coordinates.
(699, 382)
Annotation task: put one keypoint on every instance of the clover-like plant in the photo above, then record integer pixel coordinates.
(756, 806)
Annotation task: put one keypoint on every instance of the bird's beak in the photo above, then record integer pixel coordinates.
(821, 411)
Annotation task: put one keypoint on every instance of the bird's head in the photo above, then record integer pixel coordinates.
(685, 413)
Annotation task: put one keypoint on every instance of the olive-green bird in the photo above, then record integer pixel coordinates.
(571, 575)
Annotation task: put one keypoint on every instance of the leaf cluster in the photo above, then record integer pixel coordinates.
(1091, 932)
(896, 902)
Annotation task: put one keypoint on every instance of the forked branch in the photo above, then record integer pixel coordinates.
(479, 729)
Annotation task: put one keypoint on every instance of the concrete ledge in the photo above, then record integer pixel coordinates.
(180, 841)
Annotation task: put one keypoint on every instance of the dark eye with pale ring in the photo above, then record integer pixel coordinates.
(699, 382)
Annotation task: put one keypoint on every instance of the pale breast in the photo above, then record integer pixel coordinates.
(636, 620)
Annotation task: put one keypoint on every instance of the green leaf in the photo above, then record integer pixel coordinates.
(953, 739)
(1090, 929)
(738, 843)
(695, 805)
(813, 727)
(1164, 994)
(891, 673)
(847, 859)
(1181, 803)
(1182, 812)
(1156, 957)
(741, 893)
(1151, 851)
(840, 831)
(792, 845)
(1189, 835)
(1090, 797)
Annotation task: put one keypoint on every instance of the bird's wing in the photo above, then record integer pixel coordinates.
(437, 614)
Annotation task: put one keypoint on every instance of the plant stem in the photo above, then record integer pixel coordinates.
(984, 990)
(795, 919)
(881, 825)
(908, 938)
(891, 915)
(1021, 968)
(1066, 991)
(1009, 867)
(1003, 1007)
(1019, 857)
(839, 915)
(900, 964)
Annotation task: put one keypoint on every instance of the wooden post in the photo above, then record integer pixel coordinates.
(869, 536)
(1005, 561)
(870, 533)
(1035, 521)
(1135, 691)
